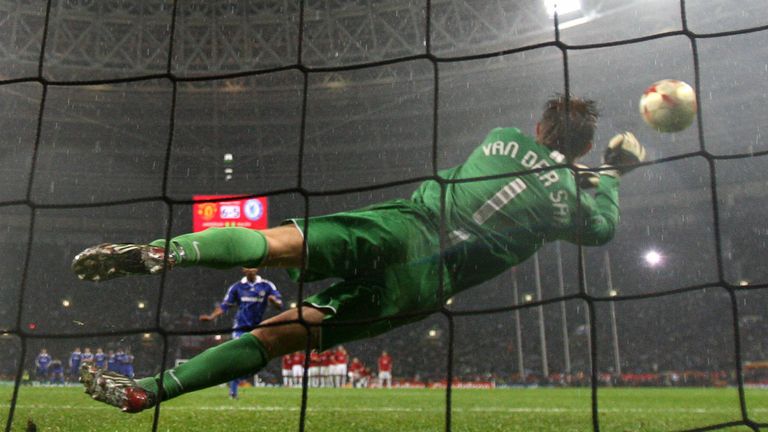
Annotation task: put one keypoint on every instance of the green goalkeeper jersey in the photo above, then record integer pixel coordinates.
(495, 223)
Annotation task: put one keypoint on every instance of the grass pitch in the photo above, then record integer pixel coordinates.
(401, 410)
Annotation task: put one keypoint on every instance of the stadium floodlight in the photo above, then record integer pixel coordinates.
(217, 337)
(449, 301)
(562, 7)
(432, 333)
(528, 298)
(228, 157)
(613, 293)
(335, 82)
(66, 303)
(147, 336)
(293, 305)
(743, 282)
(653, 258)
(233, 87)
(141, 305)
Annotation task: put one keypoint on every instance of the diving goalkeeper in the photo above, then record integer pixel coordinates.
(388, 255)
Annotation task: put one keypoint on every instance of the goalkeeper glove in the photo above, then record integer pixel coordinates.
(623, 153)
(586, 179)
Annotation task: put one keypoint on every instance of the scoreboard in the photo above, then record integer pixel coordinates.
(229, 211)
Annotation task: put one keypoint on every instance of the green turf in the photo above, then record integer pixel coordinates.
(347, 410)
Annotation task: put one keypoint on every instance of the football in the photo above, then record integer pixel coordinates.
(668, 105)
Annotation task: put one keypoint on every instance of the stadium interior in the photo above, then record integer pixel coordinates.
(222, 98)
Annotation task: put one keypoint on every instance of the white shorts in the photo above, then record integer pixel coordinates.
(314, 371)
(286, 372)
(298, 370)
(385, 375)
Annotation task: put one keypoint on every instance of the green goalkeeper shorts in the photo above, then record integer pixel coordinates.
(388, 256)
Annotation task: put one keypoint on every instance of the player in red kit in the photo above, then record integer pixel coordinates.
(287, 370)
(297, 359)
(340, 367)
(355, 369)
(314, 369)
(325, 368)
(385, 369)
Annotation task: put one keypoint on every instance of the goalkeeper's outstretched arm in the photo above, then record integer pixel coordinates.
(598, 216)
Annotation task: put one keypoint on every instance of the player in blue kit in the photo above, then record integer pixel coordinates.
(112, 361)
(42, 362)
(127, 361)
(87, 355)
(120, 361)
(100, 359)
(74, 363)
(251, 295)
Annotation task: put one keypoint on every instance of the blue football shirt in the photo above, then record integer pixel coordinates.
(251, 301)
(74, 360)
(100, 360)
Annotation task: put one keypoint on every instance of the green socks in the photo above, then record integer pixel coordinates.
(222, 363)
(219, 248)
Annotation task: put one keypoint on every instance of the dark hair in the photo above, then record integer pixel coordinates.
(569, 128)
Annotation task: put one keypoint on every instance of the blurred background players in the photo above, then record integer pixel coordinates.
(287, 364)
(297, 368)
(100, 359)
(74, 364)
(339, 368)
(112, 361)
(56, 372)
(87, 355)
(127, 364)
(315, 362)
(251, 295)
(326, 366)
(385, 369)
(119, 361)
(42, 362)
(355, 371)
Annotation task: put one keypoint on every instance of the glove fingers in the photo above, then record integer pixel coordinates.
(624, 150)
(616, 141)
(633, 146)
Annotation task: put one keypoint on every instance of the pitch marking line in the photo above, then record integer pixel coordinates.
(521, 410)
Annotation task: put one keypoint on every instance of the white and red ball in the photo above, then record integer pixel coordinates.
(668, 105)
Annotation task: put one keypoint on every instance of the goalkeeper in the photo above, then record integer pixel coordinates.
(388, 255)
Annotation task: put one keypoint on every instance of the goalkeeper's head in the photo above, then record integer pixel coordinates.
(568, 126)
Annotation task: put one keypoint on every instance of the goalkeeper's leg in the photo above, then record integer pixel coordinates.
(232, 247)
(226, 362)
(214, 247)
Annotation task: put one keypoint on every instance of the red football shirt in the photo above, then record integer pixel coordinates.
(341, 357)
(385, 363)
(297, 358)
(287, 361)
(355, 366)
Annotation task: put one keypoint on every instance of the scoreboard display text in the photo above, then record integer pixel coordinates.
(228, 211)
